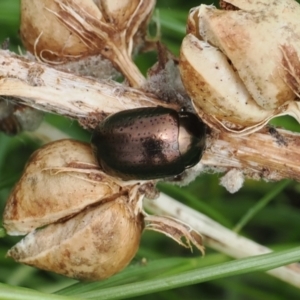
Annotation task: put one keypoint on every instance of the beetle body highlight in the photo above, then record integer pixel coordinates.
(148, 143)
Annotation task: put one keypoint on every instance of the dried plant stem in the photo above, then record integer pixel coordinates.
(47, 89)
(218, 237)
(129, 69)
(268, 154)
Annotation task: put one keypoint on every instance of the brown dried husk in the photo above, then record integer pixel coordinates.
(241, 67)
(59, 31)
(93, 245)
(44, 195)
(44, 36)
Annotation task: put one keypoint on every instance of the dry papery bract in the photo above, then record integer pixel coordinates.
(59, 31)
(241, 67)
(81, 222)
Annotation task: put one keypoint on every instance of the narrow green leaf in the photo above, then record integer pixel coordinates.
(261, 204)
(242, 266)
(8, 292)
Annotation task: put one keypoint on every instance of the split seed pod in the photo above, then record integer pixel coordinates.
(93, 245)
(56, 183)
(91, 226)
(60, 31)
(241, 67)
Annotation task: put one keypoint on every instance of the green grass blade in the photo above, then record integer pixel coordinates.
(237, 267)
(8, 292)
(261, 204)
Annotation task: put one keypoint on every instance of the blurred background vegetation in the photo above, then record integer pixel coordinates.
(275, 226)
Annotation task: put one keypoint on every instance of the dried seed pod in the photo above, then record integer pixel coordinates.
(91, 223)
(60, 179)
(215, 87)
(252, 71)
(44, 36)
(254, 47)
(61, 31)
(93, 245)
